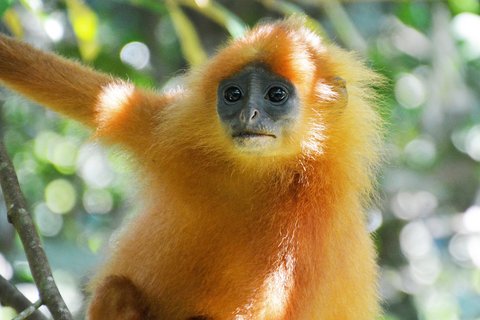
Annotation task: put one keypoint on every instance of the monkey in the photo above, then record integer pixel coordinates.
(256, 174)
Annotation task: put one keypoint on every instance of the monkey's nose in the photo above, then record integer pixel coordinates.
(249, 115)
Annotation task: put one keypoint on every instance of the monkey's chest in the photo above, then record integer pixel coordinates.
(200, 266)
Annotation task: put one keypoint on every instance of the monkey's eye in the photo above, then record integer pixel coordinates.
(277, 94)
(232, 94)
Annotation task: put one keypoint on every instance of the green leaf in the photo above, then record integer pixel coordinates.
(13, 23)
(191, 47)
(85, 25)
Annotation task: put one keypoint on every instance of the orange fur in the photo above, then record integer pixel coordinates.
(225, 235)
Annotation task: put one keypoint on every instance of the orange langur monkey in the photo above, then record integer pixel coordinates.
(255, 178)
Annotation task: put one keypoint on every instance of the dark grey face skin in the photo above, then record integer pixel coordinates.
(256, 106)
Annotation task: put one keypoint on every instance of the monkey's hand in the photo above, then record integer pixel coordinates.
(118, 298)
(115, 108)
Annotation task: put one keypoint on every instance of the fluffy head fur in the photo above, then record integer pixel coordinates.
(337, 124)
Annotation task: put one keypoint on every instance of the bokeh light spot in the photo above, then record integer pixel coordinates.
(97, 201)
(425, 270)
(410, 205)
(415, 240)
(93, 167)
(135, 54)
(473, 247)
(471, 219)
(48, 223)
(60, 196)
(375, 220)
(410, 91)
(64, 156)
(6, 269)
(472, 142)
(45, 143)
(420, 152)
(7, 313)
(465, 27)
(458, 249)
(54, 27)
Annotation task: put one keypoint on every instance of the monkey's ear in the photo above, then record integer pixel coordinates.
(340, 87)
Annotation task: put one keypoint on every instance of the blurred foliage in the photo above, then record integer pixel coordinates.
(85, 25)
(4, 5)
(427, 222)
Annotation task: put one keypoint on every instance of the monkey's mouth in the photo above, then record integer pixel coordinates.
(251, 141)
(252, 135)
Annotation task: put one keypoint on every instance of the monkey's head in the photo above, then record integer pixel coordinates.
(274, 90)
(280, 91)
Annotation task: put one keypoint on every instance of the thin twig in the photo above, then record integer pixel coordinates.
(25, 314)
(12, 297)
(19, 216)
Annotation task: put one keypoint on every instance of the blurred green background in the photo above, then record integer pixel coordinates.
(427, 221)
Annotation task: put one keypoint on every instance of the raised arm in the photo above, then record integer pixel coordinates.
(115, 108)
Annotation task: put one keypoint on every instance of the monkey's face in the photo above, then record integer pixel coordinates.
(258, 110)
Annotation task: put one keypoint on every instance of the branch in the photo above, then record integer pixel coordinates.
(10, 296)
(19, 216)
